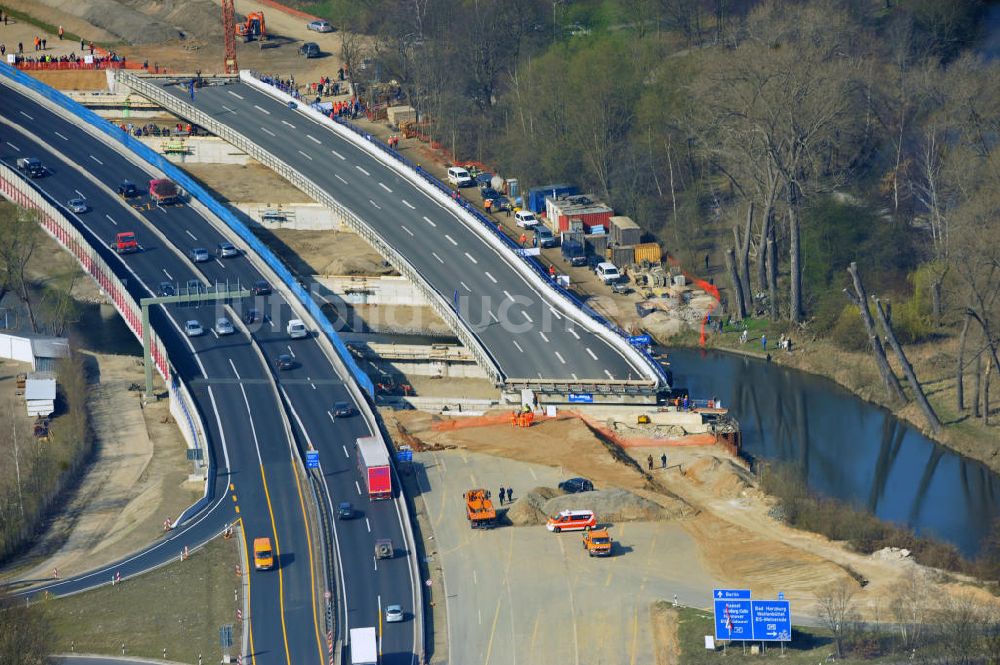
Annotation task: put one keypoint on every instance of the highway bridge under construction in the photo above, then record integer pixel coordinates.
(526, 332)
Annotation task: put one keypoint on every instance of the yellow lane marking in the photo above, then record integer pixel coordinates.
(277, 554)
(248, 622)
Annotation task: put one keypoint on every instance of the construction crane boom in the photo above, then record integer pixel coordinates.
(229, 32)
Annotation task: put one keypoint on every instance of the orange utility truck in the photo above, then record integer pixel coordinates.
(479, 510)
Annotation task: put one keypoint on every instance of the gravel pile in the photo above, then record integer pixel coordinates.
(615, 505)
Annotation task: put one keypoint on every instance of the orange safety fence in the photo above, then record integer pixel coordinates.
(288, 10)
(75, 66)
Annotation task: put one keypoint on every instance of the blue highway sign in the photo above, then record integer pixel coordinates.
(581, 398)
(404, 456)
(772, 620)
(640, 340)
(731, 594)
(312, 459)
(733, 620)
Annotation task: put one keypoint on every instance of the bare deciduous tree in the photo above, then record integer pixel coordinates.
(836, 611)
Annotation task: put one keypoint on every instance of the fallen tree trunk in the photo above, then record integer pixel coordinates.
(860, 300)
(911, 376)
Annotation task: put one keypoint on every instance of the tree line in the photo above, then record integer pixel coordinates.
(793, 137)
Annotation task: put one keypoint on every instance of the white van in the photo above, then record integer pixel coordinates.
(608, 272)
(459, 177)
(296, 329)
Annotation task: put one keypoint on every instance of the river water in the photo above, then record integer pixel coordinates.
(847, 448)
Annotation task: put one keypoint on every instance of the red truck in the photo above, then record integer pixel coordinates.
(373, 462)
(125, 243)
(164, 192)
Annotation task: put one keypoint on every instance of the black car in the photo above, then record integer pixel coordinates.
(342, 409)
(260, 288)
(285, 361)
(345, 510)
(166, 290)
(575, 485)
(251, 316)
(489, 193)
(309, 50)
(127, 189)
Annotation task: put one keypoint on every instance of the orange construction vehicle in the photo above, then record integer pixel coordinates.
(597, 542)
(252, 28)
(479, 509)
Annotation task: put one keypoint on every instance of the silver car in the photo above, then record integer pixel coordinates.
(200, 255)
(193, 329)
(320, 25)
(77, 205)
(224, 326)
(393, 613)
(226, 250)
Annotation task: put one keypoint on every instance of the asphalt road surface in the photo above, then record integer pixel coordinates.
(237, 404)
(529, 337)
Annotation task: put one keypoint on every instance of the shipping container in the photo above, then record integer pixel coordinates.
(400, 114)
(624, 231)
(373, 461)
(586, 208)
(622, 256)
(596, 244)
(534, 198)
(648, 251)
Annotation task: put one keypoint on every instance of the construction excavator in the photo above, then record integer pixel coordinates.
(252, 28)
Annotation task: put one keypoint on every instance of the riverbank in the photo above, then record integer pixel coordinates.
(933, 362)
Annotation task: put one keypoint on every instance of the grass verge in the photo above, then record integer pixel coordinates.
(178, 607)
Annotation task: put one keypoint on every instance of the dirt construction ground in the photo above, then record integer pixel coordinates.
(725, 538)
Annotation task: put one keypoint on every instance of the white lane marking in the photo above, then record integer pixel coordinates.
(169, 276)
(313, 139)
(377, 206)
(466, 287)
(573, 333)
(235, 94)
(494, 317)
(591, 353)
(269, 321)
(530, 320)
(290, 350)
(492, 278)
(62, 136)
(339, 178)
(471, 257)
(26, 115)
(555, 313)
(311, 383)
(229, 109)
(475, 578)
(385, 187)
(361, 169)
(97, 160)
(368, 524)
(221, 264)
(13, 146)
(80, 194)
(480, 613)
(267, 131)
(407, 230)
(234, 368)
(262, 110)
(517, 345)
(451, 240)
(610, 375)
(346, 454)
(426, 219)
(214, 334)
(375, 561)
(574, 377)
(543, 335)
(434, 254)
(111, 219)
(507, 293)
(190, 234)
(561, 359)
(285, 122)
(338, 154)
(357, 487)
(253, 429)
(306, 155)
(408, 204)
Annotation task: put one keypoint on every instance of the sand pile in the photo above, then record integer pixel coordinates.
(722, 477)
(143, 22)
(615, 505)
